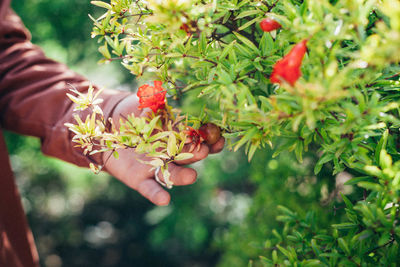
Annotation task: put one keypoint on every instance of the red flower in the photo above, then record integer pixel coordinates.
(152, 96)
(288, 68)
(269, 25)
(195, 137)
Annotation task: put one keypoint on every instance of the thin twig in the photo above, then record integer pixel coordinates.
(381, 246)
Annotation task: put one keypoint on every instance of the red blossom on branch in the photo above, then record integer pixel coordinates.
(288, 68)
(152, 96)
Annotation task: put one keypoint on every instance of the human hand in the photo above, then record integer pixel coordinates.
(129, 170)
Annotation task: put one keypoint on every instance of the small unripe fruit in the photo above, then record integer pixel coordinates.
(211, 133)
(269, 25)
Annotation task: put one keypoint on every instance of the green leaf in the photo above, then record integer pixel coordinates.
(343, 245)
(247, 42)
(252, 150)
(385, 237)
(184, 156)
(171, 147)
(156, 163)
(327, 238)
(373, 170)
(348, 203)
(224, 77)
(285, 210)
(288, 143)
(244, 51)
(203, 42)
(315, 247)
(356, 180)
(266, 260)
(104, 51)
(248, 13)
(322, 160)
(385, 160)
(370, 186)
(242, 3)
(381, 145)
(158, 136)
(342, 226)
(312, 263)
(284, 251)
(266, 44)
(227, 49)
(277, 235)
(247, 24)
(110, 41)
(101, 4)
(150, 127)
(299, 151)
(247, 137)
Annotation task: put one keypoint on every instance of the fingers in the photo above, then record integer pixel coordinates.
(218, 146)
(151, 190)
(180, 175)
(202, 153)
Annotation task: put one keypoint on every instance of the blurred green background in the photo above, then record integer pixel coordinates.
(82, 219)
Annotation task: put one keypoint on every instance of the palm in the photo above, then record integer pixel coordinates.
(139, 176)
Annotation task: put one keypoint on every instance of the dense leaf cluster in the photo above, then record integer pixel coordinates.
(346, 102)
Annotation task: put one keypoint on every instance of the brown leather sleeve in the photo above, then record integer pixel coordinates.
(33, 91)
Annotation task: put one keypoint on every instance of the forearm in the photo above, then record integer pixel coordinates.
(33, 93)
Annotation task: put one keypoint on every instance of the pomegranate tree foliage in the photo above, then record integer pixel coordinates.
(346, 102)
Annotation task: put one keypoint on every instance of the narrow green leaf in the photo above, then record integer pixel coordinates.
(370, 186)
(342, 226)
(248, 24)
(385, 160)
(184, 156)
(343, 245)
(266, 260)
(171, 147)
(348, 203)
(322, 160)
(247, 137)
(104, 51)
(247, 42)
(356, 180)
(101, 4)
(248, 13)
(227, 49)
(381, 145)
(203, 42)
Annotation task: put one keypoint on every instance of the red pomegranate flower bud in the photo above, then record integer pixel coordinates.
(288, 68)
(185, 27)
(152, 96)
(269, 25)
